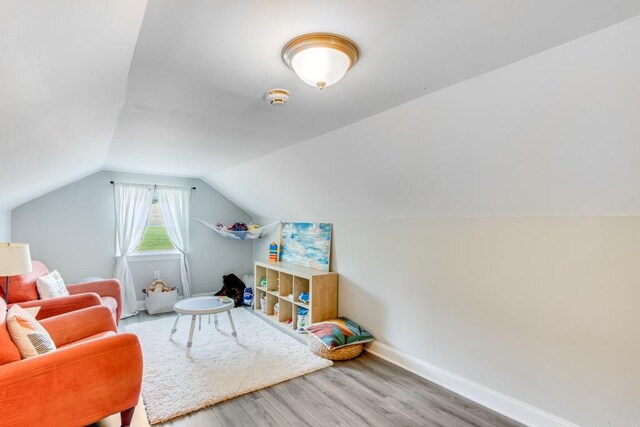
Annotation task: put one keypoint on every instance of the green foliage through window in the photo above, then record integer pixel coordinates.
(155, 236)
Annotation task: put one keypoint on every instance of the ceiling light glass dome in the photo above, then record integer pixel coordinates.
(320, 59)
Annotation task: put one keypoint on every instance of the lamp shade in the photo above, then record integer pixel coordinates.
(15, 259)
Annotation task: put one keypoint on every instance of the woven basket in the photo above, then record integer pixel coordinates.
(318, 348)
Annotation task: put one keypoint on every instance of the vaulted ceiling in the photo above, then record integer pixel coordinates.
(176, 87)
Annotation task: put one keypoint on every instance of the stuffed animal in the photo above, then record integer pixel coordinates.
(160, 286)
(238, 226)
(233, 288)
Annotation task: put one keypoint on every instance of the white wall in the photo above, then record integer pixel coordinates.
(72, 230)
(5, 226)
(541, 309)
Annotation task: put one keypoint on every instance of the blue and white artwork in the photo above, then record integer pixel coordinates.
(307, 244)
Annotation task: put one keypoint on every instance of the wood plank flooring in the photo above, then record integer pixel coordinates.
(367, 391)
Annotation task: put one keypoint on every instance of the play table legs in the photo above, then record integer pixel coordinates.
(233, 327)
(175, 326)
(193, 326)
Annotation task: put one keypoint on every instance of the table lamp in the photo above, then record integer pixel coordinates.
(15, 259)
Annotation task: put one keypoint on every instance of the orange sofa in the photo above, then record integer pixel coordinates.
(22, 289)
(93, 373)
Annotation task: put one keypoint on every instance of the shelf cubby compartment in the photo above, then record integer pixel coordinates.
(271, 301)
(257, 299)
(260, 273)
(286, 310)
(300, 286)
(272, 280)
(286, 284)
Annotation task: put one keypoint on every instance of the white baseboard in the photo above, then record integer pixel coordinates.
(498, 402)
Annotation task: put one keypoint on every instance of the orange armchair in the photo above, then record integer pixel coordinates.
(94, 373)
(22, 289)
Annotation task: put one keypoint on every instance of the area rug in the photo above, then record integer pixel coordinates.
(219, 367)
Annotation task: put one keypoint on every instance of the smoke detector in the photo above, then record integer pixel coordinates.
(277, 96)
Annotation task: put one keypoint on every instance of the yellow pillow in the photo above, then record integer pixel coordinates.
(27, 333)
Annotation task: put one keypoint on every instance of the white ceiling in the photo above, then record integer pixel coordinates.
(555, 134)
(76, 98)
(63, 73)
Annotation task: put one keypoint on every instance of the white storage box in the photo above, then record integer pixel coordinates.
(160, 302)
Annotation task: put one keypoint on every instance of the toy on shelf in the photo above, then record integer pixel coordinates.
(304, 297)
(273, 252)
(303, 320)
(276, 310)
(263, 282)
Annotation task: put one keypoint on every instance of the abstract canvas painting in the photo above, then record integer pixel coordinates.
(307, 244)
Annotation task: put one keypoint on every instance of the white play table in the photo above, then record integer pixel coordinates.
(199, 306)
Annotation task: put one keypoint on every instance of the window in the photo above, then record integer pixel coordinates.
(155, 238)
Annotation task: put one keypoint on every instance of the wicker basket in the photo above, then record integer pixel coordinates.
(318, 348)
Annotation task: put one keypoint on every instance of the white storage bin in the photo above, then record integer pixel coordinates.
(160, 302)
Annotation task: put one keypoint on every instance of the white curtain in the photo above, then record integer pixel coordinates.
(175, 203)
(133, 203)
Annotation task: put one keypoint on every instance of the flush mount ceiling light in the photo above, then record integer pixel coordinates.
(320, 59)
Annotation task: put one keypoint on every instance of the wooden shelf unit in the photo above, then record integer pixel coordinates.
(285, 283)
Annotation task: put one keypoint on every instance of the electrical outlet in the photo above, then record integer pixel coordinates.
(156, 274)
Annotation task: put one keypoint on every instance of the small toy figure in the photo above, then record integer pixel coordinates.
(304, 297)
(273, 252)
(263, 282)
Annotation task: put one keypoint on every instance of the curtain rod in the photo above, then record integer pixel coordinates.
(155, 185)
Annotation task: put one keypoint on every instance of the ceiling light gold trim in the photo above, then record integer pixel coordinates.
(328, 40)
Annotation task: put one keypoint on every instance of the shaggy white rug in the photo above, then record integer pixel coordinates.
(219, 367)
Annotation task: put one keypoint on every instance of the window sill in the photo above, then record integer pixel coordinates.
(153, 256)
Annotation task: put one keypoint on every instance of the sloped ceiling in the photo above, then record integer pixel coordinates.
(555, 134)
(63, 74)
(76, 98)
